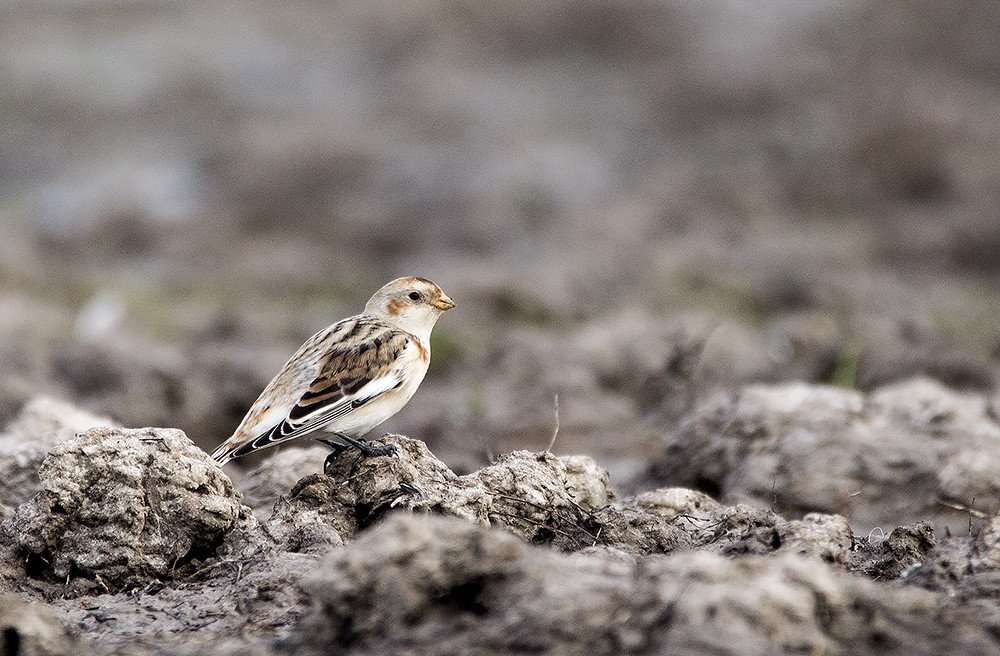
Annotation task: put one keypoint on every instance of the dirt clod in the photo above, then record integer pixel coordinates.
(121, 509)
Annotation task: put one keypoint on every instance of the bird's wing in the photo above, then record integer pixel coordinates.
(355, 362)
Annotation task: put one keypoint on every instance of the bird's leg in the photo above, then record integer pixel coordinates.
(337, 447)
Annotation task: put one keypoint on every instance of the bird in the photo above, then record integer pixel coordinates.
(349, 377)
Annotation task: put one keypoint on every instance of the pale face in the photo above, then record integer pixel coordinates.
(413, 304)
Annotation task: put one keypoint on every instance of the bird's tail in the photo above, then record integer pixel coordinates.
(225, 451)
(240, 444)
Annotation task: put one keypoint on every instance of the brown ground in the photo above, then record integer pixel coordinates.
(753, 249)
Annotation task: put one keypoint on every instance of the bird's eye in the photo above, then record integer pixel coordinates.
(414, 296)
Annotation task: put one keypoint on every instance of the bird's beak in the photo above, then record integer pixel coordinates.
(442, 302)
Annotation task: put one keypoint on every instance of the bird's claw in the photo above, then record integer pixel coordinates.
(380, 450)
(412, 488)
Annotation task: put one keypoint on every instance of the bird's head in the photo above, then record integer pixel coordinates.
(414, 304)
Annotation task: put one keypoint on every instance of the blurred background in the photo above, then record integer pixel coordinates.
(634, 204)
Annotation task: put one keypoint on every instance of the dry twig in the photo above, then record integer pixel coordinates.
(555, 433)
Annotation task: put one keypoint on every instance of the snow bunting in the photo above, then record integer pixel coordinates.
(350, 377)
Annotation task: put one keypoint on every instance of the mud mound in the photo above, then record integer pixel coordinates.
(138, 542)
(439, 585)
(907, 452)
(539, 497)
(444, 585)
(120, 509)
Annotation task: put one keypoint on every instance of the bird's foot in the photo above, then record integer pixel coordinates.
(370, 450)
(367, 451)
